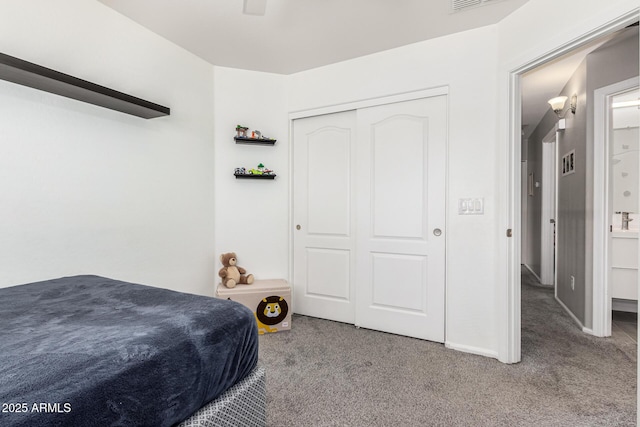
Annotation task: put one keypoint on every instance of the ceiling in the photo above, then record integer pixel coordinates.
(547, 81)
(297, 35)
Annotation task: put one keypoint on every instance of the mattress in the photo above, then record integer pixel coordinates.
(87, 350)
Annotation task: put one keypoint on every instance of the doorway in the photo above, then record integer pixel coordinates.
(512, 353)
(615, 254)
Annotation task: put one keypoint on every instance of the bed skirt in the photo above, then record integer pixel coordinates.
(242, 405)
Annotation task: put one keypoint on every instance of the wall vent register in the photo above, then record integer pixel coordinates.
(459, 5)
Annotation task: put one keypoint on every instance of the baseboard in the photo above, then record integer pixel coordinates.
(472, 350)
(573, 316)
(533, 272)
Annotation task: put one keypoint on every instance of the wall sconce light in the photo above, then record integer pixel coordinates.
(557, 105)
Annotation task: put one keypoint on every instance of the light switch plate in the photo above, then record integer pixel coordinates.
(473, 206)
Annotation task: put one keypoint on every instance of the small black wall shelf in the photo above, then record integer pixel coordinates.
(252, 176)
(258, 141)
(35, 76)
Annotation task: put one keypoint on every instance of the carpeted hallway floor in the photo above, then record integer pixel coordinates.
(324, 373)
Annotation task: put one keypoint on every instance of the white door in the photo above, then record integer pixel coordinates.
(524, 212)
(324, 239)
(548, 217)
(401, 166)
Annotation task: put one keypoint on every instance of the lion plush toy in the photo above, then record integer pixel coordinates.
(231, 274)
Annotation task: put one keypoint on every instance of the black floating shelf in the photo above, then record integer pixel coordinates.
(252, 176)
(259, 141)
(35, 76)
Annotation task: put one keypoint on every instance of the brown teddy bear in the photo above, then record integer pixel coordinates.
(231, 274)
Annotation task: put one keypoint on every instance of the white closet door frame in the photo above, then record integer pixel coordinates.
(372, 102)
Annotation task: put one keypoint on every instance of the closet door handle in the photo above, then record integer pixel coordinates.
(298, 227)
(437, 232)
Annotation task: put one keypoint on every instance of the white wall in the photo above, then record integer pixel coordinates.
(259, 231)
(252, 216)
(87, 190)
(464, 62)
(541, 26)
(476, 66)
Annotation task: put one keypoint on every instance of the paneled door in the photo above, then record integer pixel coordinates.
(324, 200)
(369, 212)
(400, 243)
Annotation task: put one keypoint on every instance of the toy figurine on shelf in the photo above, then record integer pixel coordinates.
(258, 172)
(256, 134)
(242, 131)
(265, 170)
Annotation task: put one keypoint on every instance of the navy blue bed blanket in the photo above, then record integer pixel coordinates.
(91, 351)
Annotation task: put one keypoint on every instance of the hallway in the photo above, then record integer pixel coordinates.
(576, 362)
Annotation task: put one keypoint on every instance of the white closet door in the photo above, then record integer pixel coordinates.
(401, 164)
(323, 184)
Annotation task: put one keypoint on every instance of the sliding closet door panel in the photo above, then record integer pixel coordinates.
(328, 273)
(397, 164)
(323, 188)
(328, 169)
(401, 162)
(407, 273)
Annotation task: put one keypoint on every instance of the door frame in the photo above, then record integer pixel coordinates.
(524, 212)
(355, 105)
(511, 352)
(601, 204)
(364, 103)
(549, 208)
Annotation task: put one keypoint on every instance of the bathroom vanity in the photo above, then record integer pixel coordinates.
(624, 269)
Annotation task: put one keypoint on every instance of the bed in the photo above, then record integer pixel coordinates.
(88, 350)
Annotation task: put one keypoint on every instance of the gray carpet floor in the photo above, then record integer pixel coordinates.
(324, 373)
